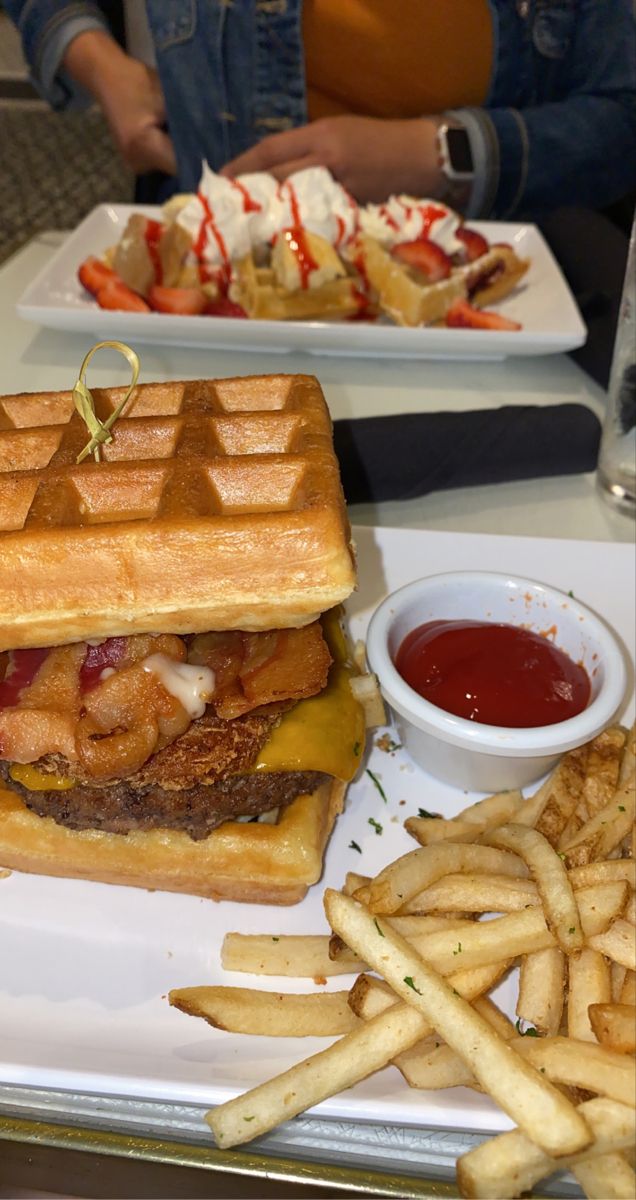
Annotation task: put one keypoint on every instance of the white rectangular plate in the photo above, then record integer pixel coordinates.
(86, 967)
(543, 304)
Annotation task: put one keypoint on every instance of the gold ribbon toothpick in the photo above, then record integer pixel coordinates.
(100, 431)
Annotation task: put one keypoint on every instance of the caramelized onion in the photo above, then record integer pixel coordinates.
(127, 718)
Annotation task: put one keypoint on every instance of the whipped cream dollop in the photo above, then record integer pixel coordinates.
(405, 219)
(314, 200)
(229, 217)
(215, 221)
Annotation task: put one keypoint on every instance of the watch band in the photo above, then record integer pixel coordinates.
(457, 181)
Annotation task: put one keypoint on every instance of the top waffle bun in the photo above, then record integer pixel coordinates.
(217, 505)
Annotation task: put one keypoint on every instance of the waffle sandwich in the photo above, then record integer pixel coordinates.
(175, 708)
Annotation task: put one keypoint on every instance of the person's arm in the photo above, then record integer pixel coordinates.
(46, 28)
(368, 156)
(130, 96)
(576, 150)
(74, 57)
(579, 149)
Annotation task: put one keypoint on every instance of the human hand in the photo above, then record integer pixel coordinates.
(372, 158)
(130, 96)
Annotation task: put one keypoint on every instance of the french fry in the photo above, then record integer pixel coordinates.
(428, 830)
(602, 872)
(469, 824)
(564, 793)
(268, 1014)
(417, 870)
(539, 1109)
(289, 955)
(369, 995)
(630, 909)
(511, 1163)
(542, 989)
(437, 1066)
(617, 979)
(556, 892)
(475, 893)
(605, 830)
(358, 1054)
(608, 1177)
(606, 753)
(628, 990)
(618, 943)
(628, 762)
(584, 1065)
(498, 808)
(409, 927)
(353, 882)
(615, 1026)
(589, 983)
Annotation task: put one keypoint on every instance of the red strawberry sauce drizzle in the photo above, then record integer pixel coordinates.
(296, 240)
(152, 235)
(249, 203)
(25, 665)
(223, 274)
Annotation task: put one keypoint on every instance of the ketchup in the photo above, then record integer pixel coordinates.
(494, 674)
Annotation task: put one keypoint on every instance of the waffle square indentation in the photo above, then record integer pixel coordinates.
(25, 412)
(26, 449)
(149, 400)
(143, 439)
(112, 494)
(16, 497)
(254, 393)
(260, 433)
(257, 485)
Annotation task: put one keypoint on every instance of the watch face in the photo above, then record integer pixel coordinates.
(459, 152)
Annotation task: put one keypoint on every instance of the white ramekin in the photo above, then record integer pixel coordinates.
(490, 758)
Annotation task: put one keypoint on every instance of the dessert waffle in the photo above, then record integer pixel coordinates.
(408, 300)
(217, 505)
(257, 290)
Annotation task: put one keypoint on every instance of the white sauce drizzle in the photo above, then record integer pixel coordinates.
(190, 684)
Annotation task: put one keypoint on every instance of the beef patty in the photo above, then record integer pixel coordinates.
(121, 808)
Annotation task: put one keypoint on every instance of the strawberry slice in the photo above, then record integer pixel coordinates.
(180, 301)
(462, 315)
(426, 257)
(224, 307)
(116, 295)
(94, 274)
(474, 244)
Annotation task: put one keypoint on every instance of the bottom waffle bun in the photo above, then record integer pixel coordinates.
(244, 861)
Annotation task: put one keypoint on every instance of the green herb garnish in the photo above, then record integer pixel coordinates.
(380, 931)
(354, 846)
(376, 825)
(421, 812)
(459, 948)
(529, 1032)
(408, 979)
(378, 785)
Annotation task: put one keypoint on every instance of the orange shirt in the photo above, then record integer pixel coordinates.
(396, 58)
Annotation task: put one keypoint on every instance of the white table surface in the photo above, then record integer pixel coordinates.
(36, 359)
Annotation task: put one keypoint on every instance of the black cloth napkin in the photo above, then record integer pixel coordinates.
(399, 457)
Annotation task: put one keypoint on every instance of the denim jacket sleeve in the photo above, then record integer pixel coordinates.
(570, 135)
(47, 27)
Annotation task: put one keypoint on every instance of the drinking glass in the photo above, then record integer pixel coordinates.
(616, 475)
